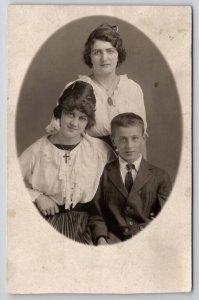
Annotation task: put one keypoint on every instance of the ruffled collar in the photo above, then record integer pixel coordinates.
(75, 175)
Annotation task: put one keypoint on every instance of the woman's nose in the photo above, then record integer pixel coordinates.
(74, 122)
(103, 55)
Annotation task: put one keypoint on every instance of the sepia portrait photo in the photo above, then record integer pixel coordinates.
(99, 149)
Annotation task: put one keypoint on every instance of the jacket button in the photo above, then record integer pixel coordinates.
(127, 208)
(141, 227)
(126, 230)
(130, 223)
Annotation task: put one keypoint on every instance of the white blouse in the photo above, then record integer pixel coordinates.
(127, 97)
(45, 171)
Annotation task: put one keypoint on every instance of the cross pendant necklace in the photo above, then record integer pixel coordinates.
(66, 156)
(67, 149)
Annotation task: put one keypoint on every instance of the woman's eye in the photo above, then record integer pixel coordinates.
(83, 118)
(68, 113)
(111, 51)
(96, 52)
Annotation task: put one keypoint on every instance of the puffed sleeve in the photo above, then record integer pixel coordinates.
(27, 161)
(142, 108)
(137, 101)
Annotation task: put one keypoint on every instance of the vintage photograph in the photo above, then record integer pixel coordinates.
(99, 124)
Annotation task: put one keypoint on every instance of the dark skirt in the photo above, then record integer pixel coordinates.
(72, 223)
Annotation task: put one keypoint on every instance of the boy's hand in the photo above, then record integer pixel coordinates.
(102, 241)
(46, 205)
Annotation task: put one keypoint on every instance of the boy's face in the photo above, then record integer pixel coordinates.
(129, 141)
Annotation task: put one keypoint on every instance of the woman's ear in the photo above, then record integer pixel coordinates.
(145, 135)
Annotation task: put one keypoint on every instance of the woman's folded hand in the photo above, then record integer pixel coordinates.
(46, 205)
(101, 241)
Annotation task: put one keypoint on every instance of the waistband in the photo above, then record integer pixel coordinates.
(79, 207)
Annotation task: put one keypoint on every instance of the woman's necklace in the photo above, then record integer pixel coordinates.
(109, 91)
(67, 149)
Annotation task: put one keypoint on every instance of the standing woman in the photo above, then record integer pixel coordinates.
(103, 53)
(115, 94)
(62, 169)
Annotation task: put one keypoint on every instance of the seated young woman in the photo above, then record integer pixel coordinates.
(62, 169)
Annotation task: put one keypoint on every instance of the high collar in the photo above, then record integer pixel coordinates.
(143, 175)
(136, 163)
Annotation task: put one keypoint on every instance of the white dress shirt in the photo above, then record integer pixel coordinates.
(124, 170)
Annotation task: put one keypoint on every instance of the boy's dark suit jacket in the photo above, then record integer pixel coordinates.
(114, 210)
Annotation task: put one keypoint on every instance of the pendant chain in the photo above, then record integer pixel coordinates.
(66, 155)
(109, 94)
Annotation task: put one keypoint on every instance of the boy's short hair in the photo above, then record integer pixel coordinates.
(125, 120)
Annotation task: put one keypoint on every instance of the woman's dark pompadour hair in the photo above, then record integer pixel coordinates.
(79, 95)
(107, 33)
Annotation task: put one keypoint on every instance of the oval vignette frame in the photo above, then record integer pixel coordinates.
(59, 61)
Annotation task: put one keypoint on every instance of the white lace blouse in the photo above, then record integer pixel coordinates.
(127, 97)
(45, 171)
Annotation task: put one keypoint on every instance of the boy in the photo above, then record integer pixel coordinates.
(131, 191)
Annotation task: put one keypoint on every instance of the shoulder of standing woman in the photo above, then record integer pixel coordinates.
(86, 79)
(130, 87)
(124, 79)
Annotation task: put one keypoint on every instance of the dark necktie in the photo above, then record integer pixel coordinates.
(129, 178)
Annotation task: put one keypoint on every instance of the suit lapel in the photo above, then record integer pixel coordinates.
(144, 173)
(116, 178)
